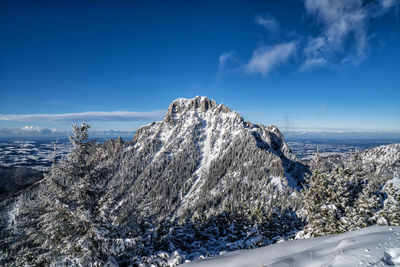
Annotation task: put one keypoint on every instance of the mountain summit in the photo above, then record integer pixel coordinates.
(200, 157)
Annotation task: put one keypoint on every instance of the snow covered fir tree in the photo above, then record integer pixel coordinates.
(200, 182)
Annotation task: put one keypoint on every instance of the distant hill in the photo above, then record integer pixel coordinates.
(14, 178)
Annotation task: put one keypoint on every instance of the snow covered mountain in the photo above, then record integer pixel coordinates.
(382, 161)
(199, 158)
(200, 182)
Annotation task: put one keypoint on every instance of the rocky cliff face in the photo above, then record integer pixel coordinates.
(200, 157)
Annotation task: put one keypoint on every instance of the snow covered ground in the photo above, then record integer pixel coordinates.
(396, 183)
(372, 246)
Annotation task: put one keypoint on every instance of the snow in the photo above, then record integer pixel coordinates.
(209, 150)
(14, 212)
(276, 180)
(392, 256)
(372, 246)
(383, 156)
(129, 148)
(395, 182)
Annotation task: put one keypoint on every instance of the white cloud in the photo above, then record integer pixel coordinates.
(387, 4)
(264, 59)
(313, 63)
(28, 131)
(344, 30)
(381, 7)
(343, 22)
(341, 37)
(224, 60)
(88, 116)
(33, 131)
(268, 23)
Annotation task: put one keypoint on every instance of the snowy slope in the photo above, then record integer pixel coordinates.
(372, 246)
(388, 154)
(395, 182)
(378, 161)
(383, 160)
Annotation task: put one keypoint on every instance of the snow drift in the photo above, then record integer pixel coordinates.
(372, 246)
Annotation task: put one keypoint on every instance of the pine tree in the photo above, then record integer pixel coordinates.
(391, 210)
(67, 209)
(316, 198)
(365, 208)
(329, 201)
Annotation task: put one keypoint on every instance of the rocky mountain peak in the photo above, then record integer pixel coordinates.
(198, 105)
(203, 155)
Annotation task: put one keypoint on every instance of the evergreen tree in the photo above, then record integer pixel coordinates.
(365, 208)
(391, 210)
(66, 225)
(316, 198)
(329, 201)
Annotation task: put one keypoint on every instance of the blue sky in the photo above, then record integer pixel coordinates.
(331, 65)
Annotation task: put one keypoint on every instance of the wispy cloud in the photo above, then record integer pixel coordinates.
(268, 23)
(310, 129)
(29, 131)
(88, 116)
(385, 6)
(33, 131)
(341, 37)
(344, 30)
(341, 20)
(311, 63)
(265, 58)
(224, 60)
